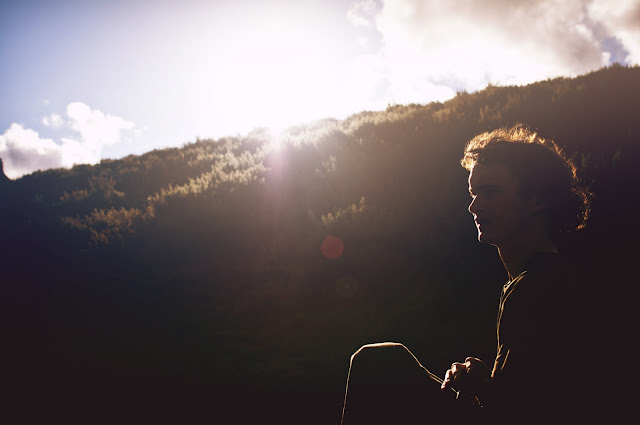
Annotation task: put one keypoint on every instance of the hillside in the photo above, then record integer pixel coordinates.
(198, 273)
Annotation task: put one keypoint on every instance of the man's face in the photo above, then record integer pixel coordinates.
(501, 213)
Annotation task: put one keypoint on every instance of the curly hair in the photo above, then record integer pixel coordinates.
(541, 168)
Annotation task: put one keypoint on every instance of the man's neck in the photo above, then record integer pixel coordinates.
(515, 258)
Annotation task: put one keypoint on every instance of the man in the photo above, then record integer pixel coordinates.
(524, 196)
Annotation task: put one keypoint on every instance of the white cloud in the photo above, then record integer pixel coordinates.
(53, 121)
(24, 151)
(432, 48)
(620, 20)
(362, 16)
(363, 13)
(96, 129)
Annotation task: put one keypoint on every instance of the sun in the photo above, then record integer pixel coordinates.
(276, 79)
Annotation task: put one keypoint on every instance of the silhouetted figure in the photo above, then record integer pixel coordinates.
(525, 195)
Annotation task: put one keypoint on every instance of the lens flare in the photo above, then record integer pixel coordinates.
(332, 247)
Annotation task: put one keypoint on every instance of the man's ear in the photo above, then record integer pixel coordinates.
(536, 206)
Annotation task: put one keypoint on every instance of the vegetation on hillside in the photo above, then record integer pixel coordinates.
(201, 267)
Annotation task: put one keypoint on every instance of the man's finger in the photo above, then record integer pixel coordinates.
(473, 361)
(447, 380)
(477, 367)
(457, 369)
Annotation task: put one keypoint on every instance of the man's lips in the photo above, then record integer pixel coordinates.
(482, 222)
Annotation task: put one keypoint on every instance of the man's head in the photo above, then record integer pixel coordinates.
(516, 177)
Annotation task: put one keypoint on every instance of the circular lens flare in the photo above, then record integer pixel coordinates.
(332, 247)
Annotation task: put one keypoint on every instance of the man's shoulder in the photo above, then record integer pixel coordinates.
(547, 284)
(550, 272)
(547, 262)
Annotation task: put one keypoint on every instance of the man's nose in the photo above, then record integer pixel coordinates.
(474, 206)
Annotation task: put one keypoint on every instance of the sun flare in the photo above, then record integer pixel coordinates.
(276, 80)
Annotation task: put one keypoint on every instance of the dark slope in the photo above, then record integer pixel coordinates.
(193, 278)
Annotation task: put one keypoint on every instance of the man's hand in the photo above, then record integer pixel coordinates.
(468, 378)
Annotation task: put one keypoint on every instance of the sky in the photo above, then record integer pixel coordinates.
(82, 81)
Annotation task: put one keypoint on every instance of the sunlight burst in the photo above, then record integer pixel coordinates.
(276, 80)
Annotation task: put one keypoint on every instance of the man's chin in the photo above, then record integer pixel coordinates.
(485, 239)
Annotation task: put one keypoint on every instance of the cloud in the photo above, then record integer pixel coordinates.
(363, 13)
(53, 121)
(362, 16)
(24, 151)
(430, 49)
(620, 22)
(96, 129)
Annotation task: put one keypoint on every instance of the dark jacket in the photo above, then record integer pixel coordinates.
(537, 373)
